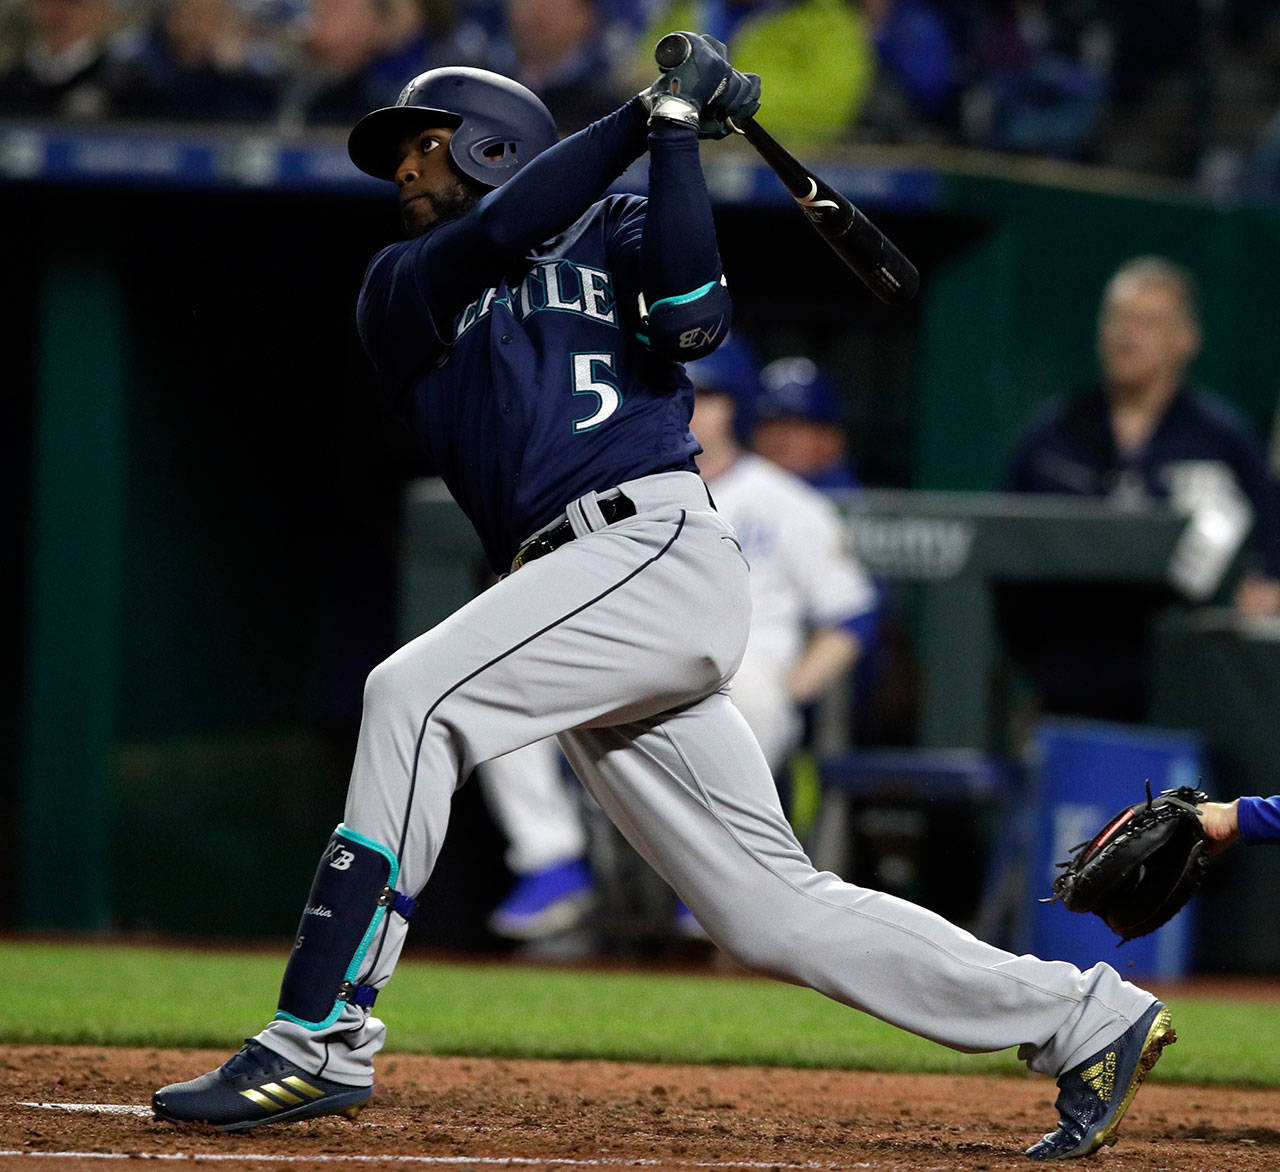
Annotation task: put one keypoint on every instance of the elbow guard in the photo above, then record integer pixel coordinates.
(688, 326)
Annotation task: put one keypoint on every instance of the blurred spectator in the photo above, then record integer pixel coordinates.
(816, 57)
(1160, 86)
(1144, 434)
(813, 609)
(1262, 175)
(63, 60)
(798, 424)
(918, 82)
(546, 843)
(559, 49)
(1040, 83)
(356, 55)
(193, 60)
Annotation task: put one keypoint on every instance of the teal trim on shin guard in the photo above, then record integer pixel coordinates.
(354, 887)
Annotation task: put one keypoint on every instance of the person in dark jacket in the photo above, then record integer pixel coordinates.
(61, 69)
(1145, 433)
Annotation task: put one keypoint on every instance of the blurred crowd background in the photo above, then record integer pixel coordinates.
(1188, 89)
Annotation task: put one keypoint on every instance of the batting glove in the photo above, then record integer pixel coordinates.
(739, 101)
(681, 94)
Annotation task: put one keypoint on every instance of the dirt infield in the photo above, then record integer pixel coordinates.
(474, 1113)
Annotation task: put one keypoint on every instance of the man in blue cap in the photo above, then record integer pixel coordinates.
(798, 424)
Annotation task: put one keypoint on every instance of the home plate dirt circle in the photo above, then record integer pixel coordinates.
(86, 1107)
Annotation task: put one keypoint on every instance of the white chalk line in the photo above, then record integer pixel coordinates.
(426, 1161)
(104, 1108)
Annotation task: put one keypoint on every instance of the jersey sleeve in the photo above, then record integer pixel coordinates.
(624, 230)
(469, 254)
(1035, 439)
(687, 304)
(1259, 820)
(836, 590)
(394, 318)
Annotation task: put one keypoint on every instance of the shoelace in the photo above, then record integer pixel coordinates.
(250, 1061)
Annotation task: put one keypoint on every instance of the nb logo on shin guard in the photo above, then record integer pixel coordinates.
(341, 860)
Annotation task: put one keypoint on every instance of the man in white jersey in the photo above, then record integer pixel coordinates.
(546, 843)
(813, 609)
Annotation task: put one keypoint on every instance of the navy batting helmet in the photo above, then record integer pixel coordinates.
(498, 125)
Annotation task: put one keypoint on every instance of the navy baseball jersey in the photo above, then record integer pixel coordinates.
(540, 388)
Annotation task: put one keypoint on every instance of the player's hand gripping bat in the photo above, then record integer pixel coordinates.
(852, 237)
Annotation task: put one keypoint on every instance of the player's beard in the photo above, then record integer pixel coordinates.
(455, 199)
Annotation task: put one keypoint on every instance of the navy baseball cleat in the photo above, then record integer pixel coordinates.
(1093, 1097)
(253, 1087)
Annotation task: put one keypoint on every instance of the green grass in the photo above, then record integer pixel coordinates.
(118, 995)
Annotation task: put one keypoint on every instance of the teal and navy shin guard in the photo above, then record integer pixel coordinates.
(353, 890)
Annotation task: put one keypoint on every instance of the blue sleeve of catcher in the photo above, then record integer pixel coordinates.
(1259, 819)
(352, 893)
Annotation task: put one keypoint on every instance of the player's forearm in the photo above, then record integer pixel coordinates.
(540, 201)
(688, 306)
(831, 652)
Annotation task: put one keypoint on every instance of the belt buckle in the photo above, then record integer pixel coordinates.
(530, 551)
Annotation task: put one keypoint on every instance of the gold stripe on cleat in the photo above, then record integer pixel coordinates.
(261, 1100)
(276, 1091)
(302, 1086)
(1160, 1035)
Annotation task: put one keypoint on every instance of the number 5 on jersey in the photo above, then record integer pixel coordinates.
(590, 373)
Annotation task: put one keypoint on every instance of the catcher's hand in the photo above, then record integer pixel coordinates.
(1141, 868)
(1221, 822)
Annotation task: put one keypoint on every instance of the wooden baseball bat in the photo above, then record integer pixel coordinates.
(852, 237)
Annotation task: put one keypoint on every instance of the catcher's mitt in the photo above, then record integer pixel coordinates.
(1141, 867)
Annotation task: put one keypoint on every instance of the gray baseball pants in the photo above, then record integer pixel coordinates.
(627, 638)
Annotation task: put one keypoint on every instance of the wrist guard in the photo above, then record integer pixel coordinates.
(671, 108)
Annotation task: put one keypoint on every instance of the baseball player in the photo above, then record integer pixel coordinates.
(546, 844)
(813, 609)
(798, 424)
(533, 331)
(812, 612)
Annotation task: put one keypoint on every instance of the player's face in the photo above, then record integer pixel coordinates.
(1144, 333)
(712, 420)
(430, 188)
(799, 445)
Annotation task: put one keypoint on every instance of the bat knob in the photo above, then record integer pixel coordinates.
(673, 50)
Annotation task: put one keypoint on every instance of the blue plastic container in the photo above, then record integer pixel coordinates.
(1085, 772)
